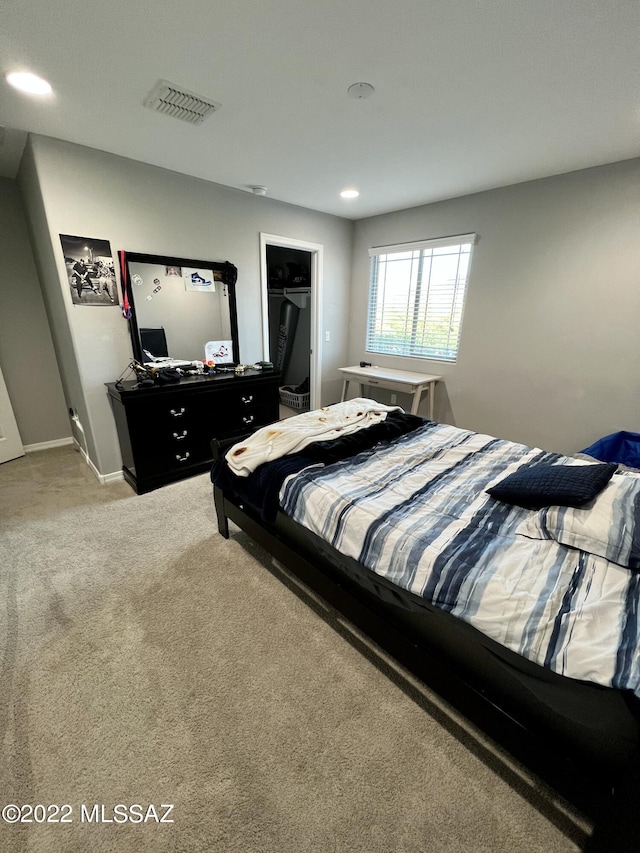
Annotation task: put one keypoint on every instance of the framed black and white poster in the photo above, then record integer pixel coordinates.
(90, 270)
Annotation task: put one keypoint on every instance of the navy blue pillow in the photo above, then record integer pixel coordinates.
(553, 485)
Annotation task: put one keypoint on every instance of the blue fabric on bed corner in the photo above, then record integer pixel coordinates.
(623, 447)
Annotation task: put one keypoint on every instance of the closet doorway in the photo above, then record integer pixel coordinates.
(291, 276)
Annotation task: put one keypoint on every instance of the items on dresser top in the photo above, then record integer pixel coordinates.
(165, 430)
(162, 370)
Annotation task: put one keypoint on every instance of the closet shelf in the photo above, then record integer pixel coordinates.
(297, 295)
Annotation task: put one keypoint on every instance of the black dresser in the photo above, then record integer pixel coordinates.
(165, 432)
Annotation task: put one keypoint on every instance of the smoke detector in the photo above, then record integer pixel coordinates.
(259, 190)
(174, 101)
(360, 91)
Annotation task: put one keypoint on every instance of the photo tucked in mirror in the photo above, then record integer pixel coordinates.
(181, 309)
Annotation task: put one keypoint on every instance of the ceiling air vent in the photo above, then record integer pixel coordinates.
(180, 103)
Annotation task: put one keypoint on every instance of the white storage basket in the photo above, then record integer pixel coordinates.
(299, 402)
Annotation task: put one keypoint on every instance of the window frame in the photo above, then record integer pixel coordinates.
(417, 307)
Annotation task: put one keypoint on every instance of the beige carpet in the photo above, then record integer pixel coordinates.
(146, 660)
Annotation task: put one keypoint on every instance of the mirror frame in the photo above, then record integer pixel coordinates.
(228, 274)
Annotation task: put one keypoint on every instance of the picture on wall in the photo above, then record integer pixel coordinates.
(90, 270)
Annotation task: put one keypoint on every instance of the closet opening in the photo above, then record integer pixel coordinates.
(290, 275)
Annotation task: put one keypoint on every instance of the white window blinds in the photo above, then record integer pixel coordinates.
(416, 297)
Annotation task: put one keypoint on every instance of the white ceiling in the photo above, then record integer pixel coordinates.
(469, 94)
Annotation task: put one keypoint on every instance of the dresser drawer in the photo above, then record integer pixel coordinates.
(164, 414)
(155, 460)
(236, 412)
(251, 417)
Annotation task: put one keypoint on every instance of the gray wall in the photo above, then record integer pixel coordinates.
(550, 347)
(27, 356)
(69, 189)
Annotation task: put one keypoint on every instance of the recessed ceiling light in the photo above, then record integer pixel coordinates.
(349, 193)
(29, 83)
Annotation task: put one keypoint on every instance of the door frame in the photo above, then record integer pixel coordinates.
(315, 356)
(11, 446)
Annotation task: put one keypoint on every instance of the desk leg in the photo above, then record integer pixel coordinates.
(417, 394)
(345, 386)
(432, 390)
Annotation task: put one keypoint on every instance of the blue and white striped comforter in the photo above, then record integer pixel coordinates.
(416, 512)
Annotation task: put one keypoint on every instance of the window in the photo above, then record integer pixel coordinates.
(416, 297)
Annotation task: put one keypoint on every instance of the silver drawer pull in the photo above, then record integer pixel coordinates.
(182, 458)
(249, 419)
(248, 399)
(178, 413)
(178, 436)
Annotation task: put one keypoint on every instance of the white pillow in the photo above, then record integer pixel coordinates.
(609, 526)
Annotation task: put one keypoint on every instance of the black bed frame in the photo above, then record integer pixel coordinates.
(608, 797)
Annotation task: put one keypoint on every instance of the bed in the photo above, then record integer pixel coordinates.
(505, 577)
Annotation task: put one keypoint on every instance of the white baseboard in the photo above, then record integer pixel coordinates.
(111, 478)
(65, 442)
(102, 478)
(47, 445)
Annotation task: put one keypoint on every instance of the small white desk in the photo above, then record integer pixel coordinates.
(392, 380)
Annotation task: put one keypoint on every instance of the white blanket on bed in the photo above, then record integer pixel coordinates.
(294, 434)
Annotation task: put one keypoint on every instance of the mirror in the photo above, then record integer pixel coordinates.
(181, 308)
